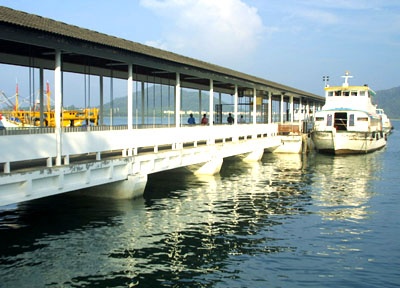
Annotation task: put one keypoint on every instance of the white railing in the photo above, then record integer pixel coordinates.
(15, 148)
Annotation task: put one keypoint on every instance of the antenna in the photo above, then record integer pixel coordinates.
(326, 80)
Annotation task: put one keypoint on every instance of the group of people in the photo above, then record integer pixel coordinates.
(231, 120)
(192, 120)
(204, 120)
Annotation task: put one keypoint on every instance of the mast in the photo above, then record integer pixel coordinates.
(346, 79)
(48, 96)
(16, 98)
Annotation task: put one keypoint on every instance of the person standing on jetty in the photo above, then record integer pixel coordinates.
(230, 119)
(191, 120)
(204, 120)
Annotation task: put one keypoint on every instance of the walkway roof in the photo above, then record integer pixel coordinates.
(31, 40)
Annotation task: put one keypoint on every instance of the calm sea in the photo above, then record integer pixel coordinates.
(287, 221)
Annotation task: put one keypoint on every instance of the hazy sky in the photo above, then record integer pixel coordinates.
(293, 42)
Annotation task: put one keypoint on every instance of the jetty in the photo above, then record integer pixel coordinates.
(43, 160)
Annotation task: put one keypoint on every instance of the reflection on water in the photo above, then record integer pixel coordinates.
(343, 185)
(277, 222)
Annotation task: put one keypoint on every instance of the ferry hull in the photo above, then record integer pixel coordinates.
(333, 142)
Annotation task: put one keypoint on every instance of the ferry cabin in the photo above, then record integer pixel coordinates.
(348, 109)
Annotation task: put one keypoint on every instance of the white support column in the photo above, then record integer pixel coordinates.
(281, 112)
(220, 105)
(269, 107)
(101, 116)
(111, 99)
(235, 104)
(41, 97)
(254, 106)
(211, 108)
(200, 106)
(313, 110)
(130, 95)
(300, 109)
(291, 109)
(178, 100)
(143, 102)
(6, 167)
(57, 104)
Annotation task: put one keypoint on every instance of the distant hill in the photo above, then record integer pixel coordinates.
(153, 100)
(389, 100)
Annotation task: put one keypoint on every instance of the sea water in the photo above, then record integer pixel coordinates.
(285, 221)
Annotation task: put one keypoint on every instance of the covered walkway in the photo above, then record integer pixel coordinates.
(156, 84)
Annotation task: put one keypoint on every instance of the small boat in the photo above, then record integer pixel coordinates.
(348, 122)
(7, 122)
(387, 125)
(18, 118)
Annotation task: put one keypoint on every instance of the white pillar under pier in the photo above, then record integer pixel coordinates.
(254, 156)
(132, 187)
(211, 167)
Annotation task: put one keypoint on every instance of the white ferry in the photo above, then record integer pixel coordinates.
(348, 122)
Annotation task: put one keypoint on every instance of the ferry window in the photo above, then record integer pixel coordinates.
(346, 93)
(353, 93)
(319, 118)
(362, 119)
(329, 120)
(338, 93)
(351, 120)
(362, 93)
(330, 93)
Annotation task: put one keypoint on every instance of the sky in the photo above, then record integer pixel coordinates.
(292, 42)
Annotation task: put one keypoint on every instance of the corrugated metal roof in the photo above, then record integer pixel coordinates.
(46, 25)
